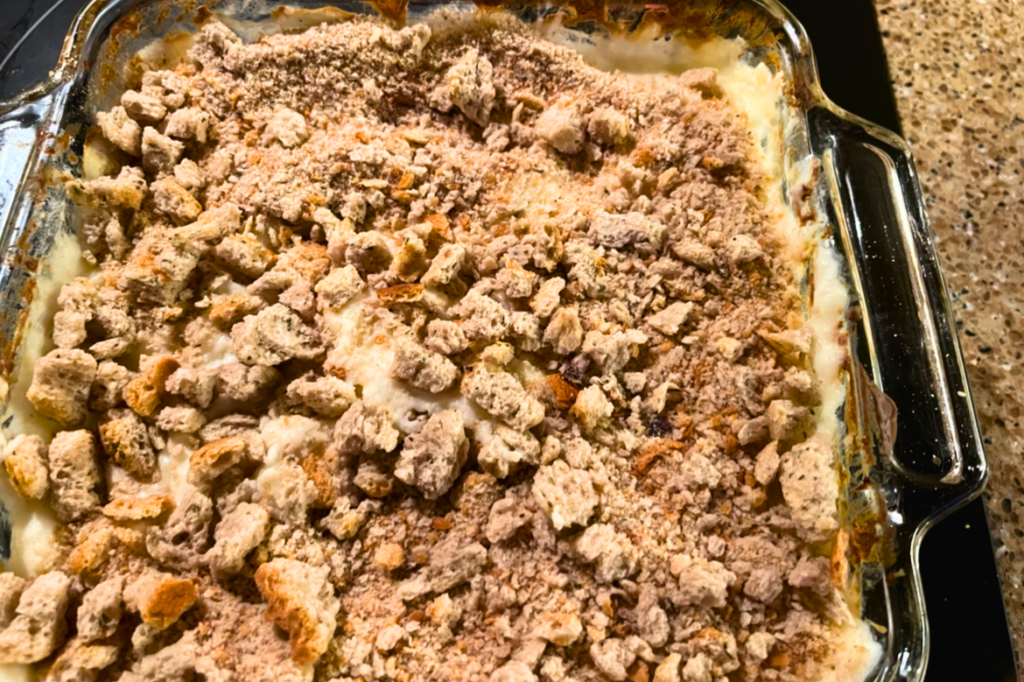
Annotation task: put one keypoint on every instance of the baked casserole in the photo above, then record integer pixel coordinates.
(463, 350)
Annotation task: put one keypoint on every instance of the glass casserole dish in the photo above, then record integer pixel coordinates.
(900, 327)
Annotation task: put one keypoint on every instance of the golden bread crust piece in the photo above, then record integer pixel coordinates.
(139, 508)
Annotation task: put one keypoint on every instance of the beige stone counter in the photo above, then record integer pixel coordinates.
(958, 71)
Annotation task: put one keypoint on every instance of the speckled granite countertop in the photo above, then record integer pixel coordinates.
(957, 68)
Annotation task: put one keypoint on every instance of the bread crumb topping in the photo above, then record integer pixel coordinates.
(430, 353)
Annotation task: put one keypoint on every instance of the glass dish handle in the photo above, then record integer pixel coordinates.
(929, 460)
(904, 335)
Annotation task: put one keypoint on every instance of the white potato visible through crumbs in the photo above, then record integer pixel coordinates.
(445, 356)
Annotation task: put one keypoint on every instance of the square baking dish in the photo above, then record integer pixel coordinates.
(903, 351)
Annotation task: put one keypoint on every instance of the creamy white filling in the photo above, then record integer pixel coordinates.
(219, 350)
(33, 550)
(855, 654)
(364, 348)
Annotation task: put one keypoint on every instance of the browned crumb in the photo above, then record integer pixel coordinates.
(139, 508)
